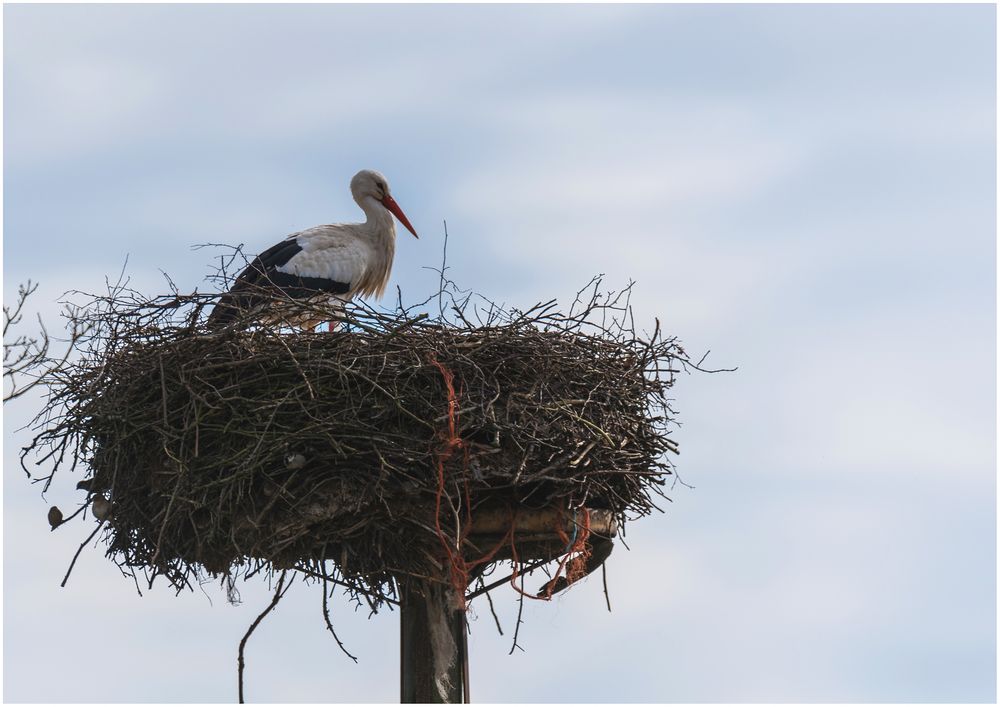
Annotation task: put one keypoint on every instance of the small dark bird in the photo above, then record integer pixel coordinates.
(100, 507)
(85, 485)
(55, 517)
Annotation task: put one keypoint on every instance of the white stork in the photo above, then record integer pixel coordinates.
(336, 261)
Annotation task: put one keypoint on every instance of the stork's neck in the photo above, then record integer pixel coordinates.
(379, 222)
(381, 230)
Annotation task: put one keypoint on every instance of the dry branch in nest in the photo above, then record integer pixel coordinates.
(359, 456)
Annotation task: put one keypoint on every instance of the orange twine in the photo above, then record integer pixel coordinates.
(576, 568)
(457, 567)
(573, 561)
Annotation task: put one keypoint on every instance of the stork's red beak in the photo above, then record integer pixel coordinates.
(391, 204)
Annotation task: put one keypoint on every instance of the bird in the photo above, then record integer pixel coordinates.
(101, 507)
(55, 517)
(335, 261)
(86, 485)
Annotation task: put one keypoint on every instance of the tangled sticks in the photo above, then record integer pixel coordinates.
(357, 456)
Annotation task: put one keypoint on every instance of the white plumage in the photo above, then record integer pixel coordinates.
(330, 252)
(332, 261)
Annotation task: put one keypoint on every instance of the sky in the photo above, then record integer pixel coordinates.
(807, 191)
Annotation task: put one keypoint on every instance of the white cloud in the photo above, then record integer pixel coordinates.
(76, 108)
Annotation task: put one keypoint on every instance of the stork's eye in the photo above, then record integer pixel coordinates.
(380, 185)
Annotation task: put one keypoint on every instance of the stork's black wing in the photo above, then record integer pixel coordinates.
(262, 280)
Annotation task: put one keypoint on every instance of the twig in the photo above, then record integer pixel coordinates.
(278, 593)
(78, 551)
(329, 625)
(517, 625)
(604, 580)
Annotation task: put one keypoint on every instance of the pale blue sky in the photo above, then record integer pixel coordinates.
(808, 191)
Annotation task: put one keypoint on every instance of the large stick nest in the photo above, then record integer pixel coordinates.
(359, 455)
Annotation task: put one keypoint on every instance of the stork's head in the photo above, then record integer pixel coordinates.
(369, 183)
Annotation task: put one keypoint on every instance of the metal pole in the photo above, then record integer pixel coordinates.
(433, 645)
(433, 637)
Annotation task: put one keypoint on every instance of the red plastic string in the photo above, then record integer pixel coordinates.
(575, 558)
(573, 561)
(458, 571)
